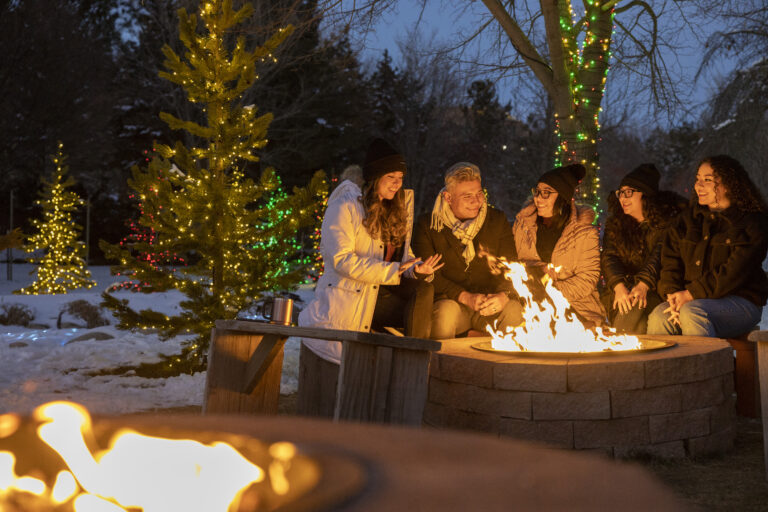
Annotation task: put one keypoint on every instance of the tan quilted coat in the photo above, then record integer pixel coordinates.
(577, 252)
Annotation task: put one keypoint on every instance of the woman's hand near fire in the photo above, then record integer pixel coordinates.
(676, 301)
(621, 298)
(493, 303)
(430, 265)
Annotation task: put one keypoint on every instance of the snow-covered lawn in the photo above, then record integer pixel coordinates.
(43, 363)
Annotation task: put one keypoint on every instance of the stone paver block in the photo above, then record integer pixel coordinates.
(441, 416)
(670, 450)
(602, 375)
(682, 425)
(729, 386)
(571, 406)
(615, 432)
(531, 375)
(715, 444)
(556, 433)
(512, 404)
(478, 372)
(642, 402)
(434, 365)
(697, 395)
(688, 368)
(722, 416)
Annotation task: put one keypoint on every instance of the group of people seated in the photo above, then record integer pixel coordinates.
(668, 266)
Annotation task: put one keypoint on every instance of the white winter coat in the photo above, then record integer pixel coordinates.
(353, 270)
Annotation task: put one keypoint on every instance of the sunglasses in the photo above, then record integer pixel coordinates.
(627, 192)
(535, 192)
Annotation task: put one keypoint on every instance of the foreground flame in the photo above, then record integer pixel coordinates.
(137, 471)
(548, 327)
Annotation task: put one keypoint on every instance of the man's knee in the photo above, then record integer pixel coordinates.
(445, 317)
(511, 315)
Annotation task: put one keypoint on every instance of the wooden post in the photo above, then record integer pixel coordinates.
(244, 372)
(761, 338)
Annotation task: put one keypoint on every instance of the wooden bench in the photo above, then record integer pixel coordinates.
(760, 338)
(382, 378)
(745, 377)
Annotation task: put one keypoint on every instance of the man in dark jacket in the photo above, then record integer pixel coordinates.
(461, 227)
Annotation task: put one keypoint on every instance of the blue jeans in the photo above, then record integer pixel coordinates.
(726, 317)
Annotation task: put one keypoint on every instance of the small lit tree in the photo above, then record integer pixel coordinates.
(61, 267)
(238, 236)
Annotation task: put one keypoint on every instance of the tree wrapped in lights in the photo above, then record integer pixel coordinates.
(62, 266)
(571, 61)
(237, 235)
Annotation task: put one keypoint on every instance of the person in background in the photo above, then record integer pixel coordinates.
(711, 261)
(554, 235)
(353, 173)
(461, 226)
(370, 280)
(639, 214)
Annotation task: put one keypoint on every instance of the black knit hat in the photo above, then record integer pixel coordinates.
(564, 179)
(644, 178)
(381, 159)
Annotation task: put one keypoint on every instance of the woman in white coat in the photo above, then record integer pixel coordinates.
(370, 276)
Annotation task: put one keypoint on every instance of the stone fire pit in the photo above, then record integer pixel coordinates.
(674, 402)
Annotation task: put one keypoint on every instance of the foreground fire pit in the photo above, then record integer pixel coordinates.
(669, 403)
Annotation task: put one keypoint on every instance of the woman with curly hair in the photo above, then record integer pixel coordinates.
(631, 257)
(711, 261)
(370, 277)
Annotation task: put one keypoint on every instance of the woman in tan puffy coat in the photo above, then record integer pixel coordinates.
(552, 228)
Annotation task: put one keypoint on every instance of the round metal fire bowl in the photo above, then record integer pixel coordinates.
(647, 346)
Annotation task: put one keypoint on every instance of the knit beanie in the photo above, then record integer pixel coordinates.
(381, 159)
(644, 178)
(564, 179)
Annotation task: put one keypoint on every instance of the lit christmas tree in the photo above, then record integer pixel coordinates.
(141, 241)
(237, 236)
(62, 266)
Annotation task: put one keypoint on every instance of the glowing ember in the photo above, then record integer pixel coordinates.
(136, 472)
(548, 326)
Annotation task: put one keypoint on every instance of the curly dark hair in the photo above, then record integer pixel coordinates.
(739, 188)
(385, 220)
(658, 210)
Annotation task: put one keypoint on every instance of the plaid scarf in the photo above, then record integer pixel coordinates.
(464, 231)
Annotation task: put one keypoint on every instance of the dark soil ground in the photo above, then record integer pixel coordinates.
(735, 481)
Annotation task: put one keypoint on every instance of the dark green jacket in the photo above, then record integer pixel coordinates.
(495, 236)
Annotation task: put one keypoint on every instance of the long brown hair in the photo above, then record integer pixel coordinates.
(740, 189)
(386, 219)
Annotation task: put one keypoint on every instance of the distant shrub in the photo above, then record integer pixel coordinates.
(16, 314)
(85, 311)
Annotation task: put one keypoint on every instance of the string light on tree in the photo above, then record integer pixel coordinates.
(237, 234)
(61, 267)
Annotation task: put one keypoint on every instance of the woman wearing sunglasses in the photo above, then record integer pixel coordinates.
(639, 215)
(711, 261)
(556, 236)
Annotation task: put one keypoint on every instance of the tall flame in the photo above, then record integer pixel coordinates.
(548, 325)
(136, 471)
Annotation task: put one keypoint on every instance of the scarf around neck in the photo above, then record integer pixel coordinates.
(464, 231)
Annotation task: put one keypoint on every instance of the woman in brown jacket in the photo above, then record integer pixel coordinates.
(552, 228)
(711, 261)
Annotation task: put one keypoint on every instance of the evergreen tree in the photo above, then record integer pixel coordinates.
(237, 235)
(62, 267)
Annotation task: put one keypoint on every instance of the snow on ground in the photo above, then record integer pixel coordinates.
(43, 363)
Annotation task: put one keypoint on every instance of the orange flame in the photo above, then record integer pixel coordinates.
(136, 471)
(548, 326)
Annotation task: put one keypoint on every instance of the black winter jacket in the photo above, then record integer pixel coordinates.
(454, 277)
(632, 265)
(715, 254)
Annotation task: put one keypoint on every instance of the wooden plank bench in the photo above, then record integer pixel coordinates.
(383, 378)
(760, 338)
(745, 376)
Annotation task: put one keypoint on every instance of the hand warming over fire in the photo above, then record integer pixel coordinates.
(639, 294)
(622, 298)
(493, 303)
(430, 265)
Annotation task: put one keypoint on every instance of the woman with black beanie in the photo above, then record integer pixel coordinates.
(553, 229)
(639, 214)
